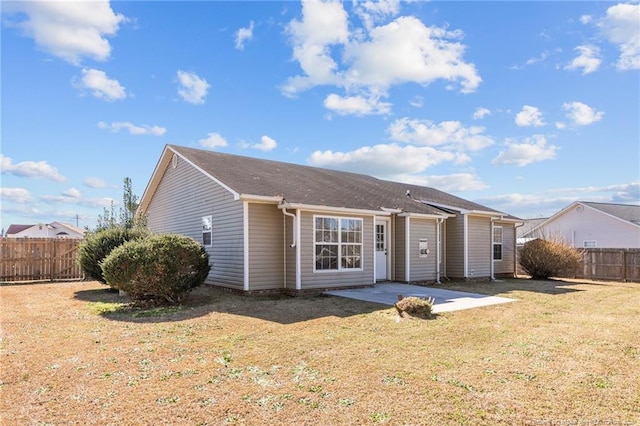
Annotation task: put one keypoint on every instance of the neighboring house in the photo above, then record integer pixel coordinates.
(270, 225)
(527, 226)
(45, 230)
(585, 224)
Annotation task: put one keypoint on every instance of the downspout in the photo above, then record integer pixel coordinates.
(493, 219)
(294, 243)
(438, 248)
(515, 249)
(294, 237)
(295, 228)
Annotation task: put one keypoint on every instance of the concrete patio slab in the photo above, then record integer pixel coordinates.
(445, 300)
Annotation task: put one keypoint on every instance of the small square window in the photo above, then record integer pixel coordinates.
(207, 230)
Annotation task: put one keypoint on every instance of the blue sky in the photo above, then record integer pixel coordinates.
(524, 107)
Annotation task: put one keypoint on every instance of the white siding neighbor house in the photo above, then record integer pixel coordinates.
(45, 230)
(274, 226)
(585, 224)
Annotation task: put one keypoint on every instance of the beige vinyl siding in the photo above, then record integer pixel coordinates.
(266, 251)
(454, 247)
(400, 251)
(506, 265)
(184, 195)
(330, 279)
(480, 246)
(422, 268)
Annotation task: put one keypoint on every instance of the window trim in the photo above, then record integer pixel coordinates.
(494, 243)
(340, 244)
(209, 219)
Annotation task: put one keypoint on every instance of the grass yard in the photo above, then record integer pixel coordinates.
(566, 353)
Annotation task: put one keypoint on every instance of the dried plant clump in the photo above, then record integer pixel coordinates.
(415, 306)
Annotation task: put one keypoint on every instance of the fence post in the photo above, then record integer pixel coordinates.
(624, 266)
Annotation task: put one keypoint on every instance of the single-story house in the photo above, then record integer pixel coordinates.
(585, 224)
(45, 230)
(271, 225)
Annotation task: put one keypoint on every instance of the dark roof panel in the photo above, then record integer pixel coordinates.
(628, 212)
(299, 184)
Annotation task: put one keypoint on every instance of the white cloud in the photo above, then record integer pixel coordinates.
(72, 193)
(533, 149)
(582, 114)
(406, 50)
(30, 169)
(621, 26)
(266, 144)
(585, 19)
(417, 102)
(356, 105)
(374, 160)
(323, 24)
(94, 182)
(243, 35)
(101, 86)
(529, 116)
(68, 30)
(588, 59)
(547, 203)
(132, 128)
(371, 12)
(193, 89)
(213, 140)
(18, 195)
(450, 135)
(481, 113)
(373, 58)
(79, 201)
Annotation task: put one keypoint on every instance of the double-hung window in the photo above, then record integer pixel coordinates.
(497, 243)
(337, 243)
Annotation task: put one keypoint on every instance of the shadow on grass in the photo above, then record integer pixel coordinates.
(554, 286)
(206, 300)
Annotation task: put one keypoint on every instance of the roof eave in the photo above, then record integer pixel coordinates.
(331, 209)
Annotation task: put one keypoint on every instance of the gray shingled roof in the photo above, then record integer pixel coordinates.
(628, 212)
(299, 184)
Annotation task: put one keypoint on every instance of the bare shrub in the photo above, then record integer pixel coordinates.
(543, 259)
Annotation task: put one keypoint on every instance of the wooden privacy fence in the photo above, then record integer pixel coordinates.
(39, 259)
(610, 264)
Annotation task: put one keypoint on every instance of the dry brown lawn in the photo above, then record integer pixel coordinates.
(566, 353)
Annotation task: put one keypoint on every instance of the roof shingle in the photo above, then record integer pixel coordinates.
(299, 184)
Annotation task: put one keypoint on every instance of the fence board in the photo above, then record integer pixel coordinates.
(38, 259)
(613, 264)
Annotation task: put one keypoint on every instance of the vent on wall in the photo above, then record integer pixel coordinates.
(579, 209)
(174, 161)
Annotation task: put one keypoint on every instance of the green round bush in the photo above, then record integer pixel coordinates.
(542, 259)
(162, 267)
(97, 246)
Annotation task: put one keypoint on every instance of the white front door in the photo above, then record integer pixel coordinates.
(382, 251)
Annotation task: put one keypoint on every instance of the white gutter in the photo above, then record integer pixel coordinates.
(347, 210)
(260, 198)
(439, 222)
(426, 216)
